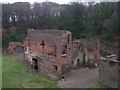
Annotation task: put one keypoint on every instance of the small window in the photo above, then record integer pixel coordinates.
(35, 60)
(68, 38)
(64, 49)
(111, 63)
(31, 52)
(72, 62)
(78, 60)
(55, 67)
(42, 44)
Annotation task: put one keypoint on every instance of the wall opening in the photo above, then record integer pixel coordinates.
(84, 59)
(64, 49)
(72, 62)
(78, 62)
(42, 44)
(55, 67)
(35, 63)
(18, 49)
(111, 64)
(68, 38)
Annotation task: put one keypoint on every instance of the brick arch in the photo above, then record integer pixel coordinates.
(18, 49)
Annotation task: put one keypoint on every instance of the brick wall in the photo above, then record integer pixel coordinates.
(54, 41)
(50, 56)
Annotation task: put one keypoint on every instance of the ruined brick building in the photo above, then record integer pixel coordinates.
(53, 53)
(88, 51)
(49, 51)
(92, 47)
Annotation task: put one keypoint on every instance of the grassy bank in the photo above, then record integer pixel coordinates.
(97, 87)
(0, 70)
(14, 75)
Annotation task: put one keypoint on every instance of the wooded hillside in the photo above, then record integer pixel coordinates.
(84, 20)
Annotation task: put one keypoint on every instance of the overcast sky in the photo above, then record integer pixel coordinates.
(57, 1)
(32, 1)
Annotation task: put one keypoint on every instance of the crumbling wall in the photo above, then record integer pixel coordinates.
(15, 48)
(109, 73)
(49, 43)
(64, 47)
(58, 44)
(92, 47)
(47, 67)
(87, 51)
(79, 52)
(67, 67)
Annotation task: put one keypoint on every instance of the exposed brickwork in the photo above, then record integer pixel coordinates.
(89, 49)
(52, 48)
(53, 53)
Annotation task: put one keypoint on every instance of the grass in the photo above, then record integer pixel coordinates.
(97, 87)
(14, 75)
(0, 70)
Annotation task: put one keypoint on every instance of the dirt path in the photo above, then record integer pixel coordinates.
(80, 78)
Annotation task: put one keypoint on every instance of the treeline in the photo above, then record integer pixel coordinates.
(84, 20)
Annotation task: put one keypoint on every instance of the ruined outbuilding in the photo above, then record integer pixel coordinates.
(88, 50)
(92, 48)
(53, 53)
(79, 51)
(15, 48)
(49, 52)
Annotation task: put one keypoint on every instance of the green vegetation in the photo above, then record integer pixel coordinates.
(81, 57)
(94, 20)
(97, 87)
(15, 75)
(0, 70)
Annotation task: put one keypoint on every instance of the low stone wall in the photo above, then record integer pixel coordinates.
(109, 73)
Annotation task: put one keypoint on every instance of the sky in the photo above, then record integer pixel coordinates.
(57, 1)
(32, 1)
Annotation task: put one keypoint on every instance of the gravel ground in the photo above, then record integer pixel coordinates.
(80, 78)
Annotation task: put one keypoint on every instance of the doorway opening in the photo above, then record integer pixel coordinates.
(55, 67)
(78, 62)
(35, 63)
